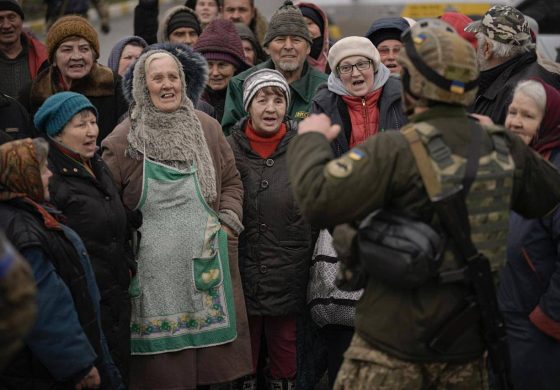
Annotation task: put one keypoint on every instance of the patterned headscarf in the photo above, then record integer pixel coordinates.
(20, 171)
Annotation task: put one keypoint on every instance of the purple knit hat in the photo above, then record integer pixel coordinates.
(220, 42)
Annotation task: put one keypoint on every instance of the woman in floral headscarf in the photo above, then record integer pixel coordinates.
(66, 346)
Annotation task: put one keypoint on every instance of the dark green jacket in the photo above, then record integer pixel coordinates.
(397, 321)
(301, 91)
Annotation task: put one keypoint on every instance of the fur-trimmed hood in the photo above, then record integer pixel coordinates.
(194, 64)
(162, 27)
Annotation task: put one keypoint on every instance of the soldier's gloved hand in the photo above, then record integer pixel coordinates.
(319, 123)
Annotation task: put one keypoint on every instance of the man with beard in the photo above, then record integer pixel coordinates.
(506, 55)
(288, 43)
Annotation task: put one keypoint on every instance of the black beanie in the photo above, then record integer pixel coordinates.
(287, 20)
(314, 15)
(11, 5)
(384, 34)
(183, 19)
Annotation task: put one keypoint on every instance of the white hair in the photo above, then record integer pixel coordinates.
(504, 51)
(534, 91)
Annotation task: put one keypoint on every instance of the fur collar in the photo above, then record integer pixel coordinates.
(99, 82)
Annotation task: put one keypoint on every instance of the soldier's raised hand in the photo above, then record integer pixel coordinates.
(319, 123)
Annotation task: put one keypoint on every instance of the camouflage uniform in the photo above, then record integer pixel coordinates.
(395, 325)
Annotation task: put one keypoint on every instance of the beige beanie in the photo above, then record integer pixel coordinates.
(353, 46)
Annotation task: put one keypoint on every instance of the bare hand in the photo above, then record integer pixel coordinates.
(228, 231)
(319, 123)
(483, 119)
(90, 381)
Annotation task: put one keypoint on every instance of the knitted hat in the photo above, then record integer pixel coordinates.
(287, 20)
(59, 109)
(11, 5)
(261, 79)
(220, 42)
(387, 28)
(353, 46)
(184, 18)
(68, 26)
(115, 57)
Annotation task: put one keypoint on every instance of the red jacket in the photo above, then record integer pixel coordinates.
(37, 54)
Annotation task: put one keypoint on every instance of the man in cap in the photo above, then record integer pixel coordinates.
(288, 44)
(506, 55)
(179, 25)
(244, 11)
(385, 34)
(21, 55)
(415, 333)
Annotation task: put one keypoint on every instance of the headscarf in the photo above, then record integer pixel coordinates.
(548, 134)
(20, 177)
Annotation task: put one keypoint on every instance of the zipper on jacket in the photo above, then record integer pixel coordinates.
(364, 113)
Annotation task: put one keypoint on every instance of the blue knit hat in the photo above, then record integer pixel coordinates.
(59, 109)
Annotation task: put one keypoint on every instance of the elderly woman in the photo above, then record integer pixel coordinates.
(124, 53)
(65, 348)
(83, 189)
(275, 247)
(221, 46)
(529, 293)
(73, 47)
(254, 53)
(172, 162)
(359, 96)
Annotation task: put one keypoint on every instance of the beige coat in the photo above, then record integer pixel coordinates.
(191, 367)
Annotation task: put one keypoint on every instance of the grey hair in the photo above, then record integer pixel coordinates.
(534, 91)
(503, 50)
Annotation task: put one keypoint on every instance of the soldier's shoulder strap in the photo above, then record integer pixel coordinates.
(422, 159)
(498, 136)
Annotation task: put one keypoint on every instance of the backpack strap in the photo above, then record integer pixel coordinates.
(423, 161)
(497, 134)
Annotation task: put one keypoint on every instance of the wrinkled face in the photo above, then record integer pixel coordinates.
(10, 27)
(80, 134)
(314, 30)
(164, 84)
(129, 54)
(207, 10)
(359, 80)
(219, 74)
(524, 117)
(249, 51)
(46, 174)
(185, 35)
(288, 52)
(389, 51)
(74, 59)
(239, 11)
(267, 110)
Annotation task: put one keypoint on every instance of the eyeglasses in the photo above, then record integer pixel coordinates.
(384, 51)
(362, 65)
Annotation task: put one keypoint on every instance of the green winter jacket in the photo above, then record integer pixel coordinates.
(302, 91)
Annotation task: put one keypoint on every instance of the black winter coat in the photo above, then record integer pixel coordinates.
(94, 209)
(391, 115)
(276, 246)
(493, 99)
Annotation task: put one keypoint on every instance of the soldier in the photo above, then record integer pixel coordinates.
(396, 326)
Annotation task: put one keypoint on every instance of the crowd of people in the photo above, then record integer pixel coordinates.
(189, 215)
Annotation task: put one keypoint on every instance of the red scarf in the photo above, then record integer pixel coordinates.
(548, 134)
(264, 146)
(364, 116)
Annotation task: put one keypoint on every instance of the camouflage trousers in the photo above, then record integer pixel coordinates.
(367, 368)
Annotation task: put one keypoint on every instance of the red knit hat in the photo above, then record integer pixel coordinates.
(459, 21)
(220, 42)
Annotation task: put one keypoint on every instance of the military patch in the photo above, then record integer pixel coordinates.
(340, 168)
(356, 154)
(301, 115)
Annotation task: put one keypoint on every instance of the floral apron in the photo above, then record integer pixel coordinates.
(182, 295)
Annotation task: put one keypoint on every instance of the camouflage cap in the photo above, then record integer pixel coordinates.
(504, 24)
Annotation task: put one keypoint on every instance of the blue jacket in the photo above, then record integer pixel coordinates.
(530, 281)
